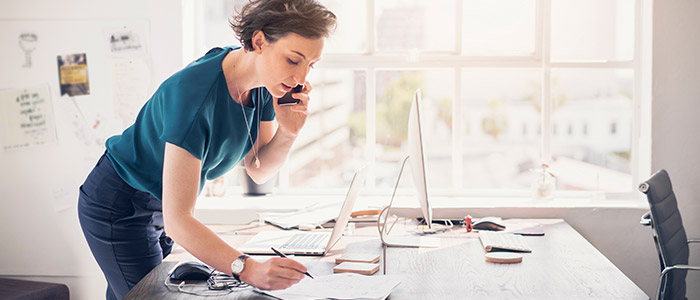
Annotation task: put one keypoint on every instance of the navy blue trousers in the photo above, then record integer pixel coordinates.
(123, 227)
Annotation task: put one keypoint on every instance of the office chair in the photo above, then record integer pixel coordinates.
(669, 236)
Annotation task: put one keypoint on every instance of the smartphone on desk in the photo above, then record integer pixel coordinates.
(287, 98)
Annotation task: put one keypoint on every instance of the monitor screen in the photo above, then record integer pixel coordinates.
(417, 157)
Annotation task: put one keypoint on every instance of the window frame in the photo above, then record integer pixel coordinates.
(372, 61)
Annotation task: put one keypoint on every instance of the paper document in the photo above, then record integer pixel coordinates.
(315, 215)
(341, 286)
(26, 118)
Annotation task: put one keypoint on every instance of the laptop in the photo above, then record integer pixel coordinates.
(307, 242)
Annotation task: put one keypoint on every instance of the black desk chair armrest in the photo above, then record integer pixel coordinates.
(690, 241)
(672, 268)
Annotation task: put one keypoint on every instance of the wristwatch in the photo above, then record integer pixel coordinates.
(238, 265)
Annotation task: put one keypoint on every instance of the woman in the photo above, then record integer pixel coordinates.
(200, 123)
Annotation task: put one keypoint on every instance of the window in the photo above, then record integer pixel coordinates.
(498, 78)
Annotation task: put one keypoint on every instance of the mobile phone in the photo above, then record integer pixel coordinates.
(287, 98)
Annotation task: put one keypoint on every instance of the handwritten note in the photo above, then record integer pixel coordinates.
(26, 118)
(131, 80)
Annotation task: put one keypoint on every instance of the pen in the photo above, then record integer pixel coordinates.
(282, 255)
(534, 233)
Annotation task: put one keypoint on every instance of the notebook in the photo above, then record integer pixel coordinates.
(307, 242)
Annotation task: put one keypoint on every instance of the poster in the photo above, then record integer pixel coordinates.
(131, 74)
(26, 118)
(73, 74)
(126, 41)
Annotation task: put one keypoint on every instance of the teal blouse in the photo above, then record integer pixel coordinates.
(193, 110)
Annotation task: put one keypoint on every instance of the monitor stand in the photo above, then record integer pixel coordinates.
(401, 241)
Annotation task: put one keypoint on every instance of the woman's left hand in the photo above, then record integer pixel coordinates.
(292, 118)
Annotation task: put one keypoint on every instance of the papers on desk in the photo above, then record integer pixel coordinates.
(313, 216)
(340, 286)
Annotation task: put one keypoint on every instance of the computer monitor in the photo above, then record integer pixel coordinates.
(416, 155)
(416, 160)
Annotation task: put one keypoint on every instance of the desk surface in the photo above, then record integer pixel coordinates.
(562, 265)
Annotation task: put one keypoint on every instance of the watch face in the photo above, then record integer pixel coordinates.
(237, 266)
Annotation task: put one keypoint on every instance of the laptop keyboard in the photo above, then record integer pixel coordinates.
(304, 241)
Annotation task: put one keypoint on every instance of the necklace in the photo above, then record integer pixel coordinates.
(257, 108)
(256, 162)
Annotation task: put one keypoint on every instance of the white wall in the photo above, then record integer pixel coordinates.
(675, 108)
(38, 242)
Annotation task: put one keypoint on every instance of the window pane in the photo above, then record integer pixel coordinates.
(350, 35)
(216, 31)
(331, 145)
(395, 91)
(493, 28)
(592, 30)
(502, 134)
(415, 25)
(597, 105)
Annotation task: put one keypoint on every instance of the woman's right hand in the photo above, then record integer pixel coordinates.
(274, 274)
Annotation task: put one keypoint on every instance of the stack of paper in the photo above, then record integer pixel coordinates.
(340, 286)
(315, 215)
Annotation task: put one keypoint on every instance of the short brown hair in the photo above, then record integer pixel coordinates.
(277, 18)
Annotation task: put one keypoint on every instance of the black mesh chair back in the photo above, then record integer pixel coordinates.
(669, 234)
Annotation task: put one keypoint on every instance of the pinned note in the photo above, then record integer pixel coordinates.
(26, 118)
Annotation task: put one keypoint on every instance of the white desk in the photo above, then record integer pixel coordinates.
(563, 265)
